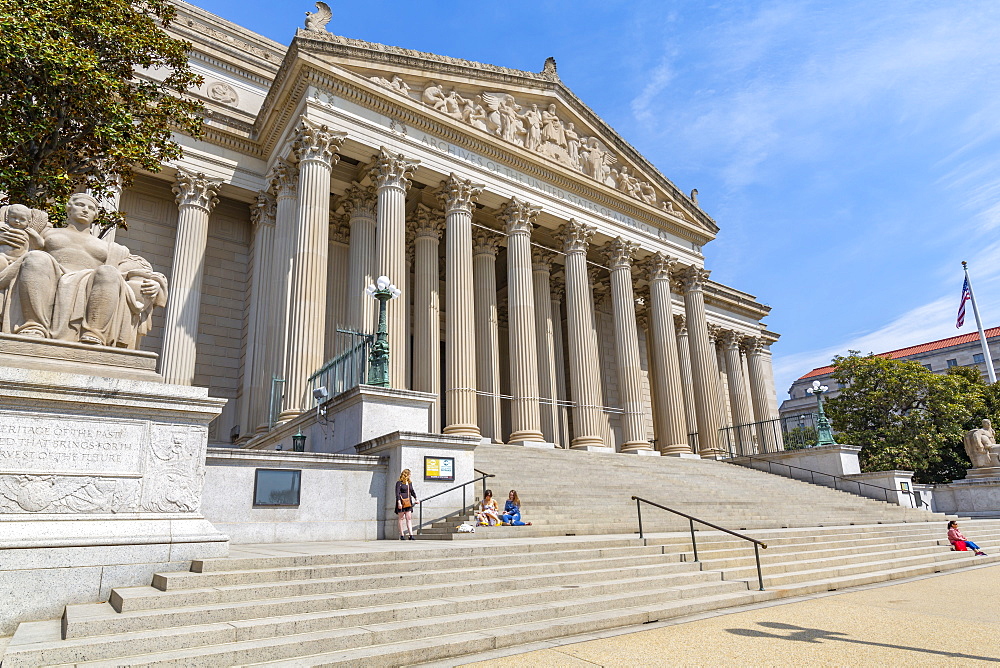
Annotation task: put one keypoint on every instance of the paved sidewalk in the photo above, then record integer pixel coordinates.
(942, 620)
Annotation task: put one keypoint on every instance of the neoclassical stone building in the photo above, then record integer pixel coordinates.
(553, 285)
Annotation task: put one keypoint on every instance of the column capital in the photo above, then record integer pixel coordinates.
(392, 170)
(264, 209)
(428, 223)
(359, 201)
(658, 266)
(518, 216)
(753, 345)
(620, 253)
(575, 235)
(197, 190)
(714, 333)
(731, 340)
(541, 259)
(680, 324)
(485, 243)
(340, 229)
(693, 278)
(283, 179)
(557, 285)
(458, 194)
(315, 142)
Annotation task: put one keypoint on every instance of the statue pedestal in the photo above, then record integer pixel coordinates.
(100, 477)
(978, 495)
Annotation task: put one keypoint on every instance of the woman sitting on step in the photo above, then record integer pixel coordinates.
(956, 536)
(512, 511)
(488, 513)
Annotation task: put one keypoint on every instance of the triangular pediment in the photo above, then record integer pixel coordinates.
(533, 112)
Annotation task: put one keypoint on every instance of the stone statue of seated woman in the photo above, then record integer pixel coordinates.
(981, 446)
(78, 287)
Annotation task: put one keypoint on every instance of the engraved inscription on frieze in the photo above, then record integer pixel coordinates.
(49, 444)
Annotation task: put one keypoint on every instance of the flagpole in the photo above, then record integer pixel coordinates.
(979, 324)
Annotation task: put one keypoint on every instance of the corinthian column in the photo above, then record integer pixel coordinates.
(703, 371)
(256, 373)
(738, 400)
(360, 204)
(427, 230)
(541, 273)
(484, 259)
(687, 384)
(196, 196)
(768, 431)
(525, 420)
(315, 146)
(556, 295)
(391, 175)
(583, 357)
(460, 370)
(619, 254)
(284, 181)
(669, 423)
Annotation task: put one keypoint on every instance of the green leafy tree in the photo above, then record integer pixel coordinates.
(906, 417)
(73, 111)
(800, 437)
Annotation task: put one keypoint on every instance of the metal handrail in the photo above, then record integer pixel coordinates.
(694, 544)
(812, 479)
(420, 516)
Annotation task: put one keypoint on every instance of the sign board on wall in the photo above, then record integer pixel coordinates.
(439, 468)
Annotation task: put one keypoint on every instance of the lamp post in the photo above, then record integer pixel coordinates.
(824, 434)
(378, 361)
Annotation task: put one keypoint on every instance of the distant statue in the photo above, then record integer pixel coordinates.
(316, 21)
(550, 66)
(981, 446)
(77, 287)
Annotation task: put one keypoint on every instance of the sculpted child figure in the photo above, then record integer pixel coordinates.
(19, 218)
(77, 287)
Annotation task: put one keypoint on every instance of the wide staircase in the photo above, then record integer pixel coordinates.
(392, 603)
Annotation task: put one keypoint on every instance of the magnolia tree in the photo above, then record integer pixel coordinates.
(73, 112)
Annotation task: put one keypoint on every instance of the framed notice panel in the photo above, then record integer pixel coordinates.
(439, 468)
(276, 487)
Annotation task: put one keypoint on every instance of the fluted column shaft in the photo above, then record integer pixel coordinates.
(256, 373)
(525, 417)
(582, 342)
(391, 176)
(360, 311)
(669, 421)
(556, 295)
(687, 382)
(460, 369)
(427, 307)
(703, 367)
(336, 281)
(484, 258)
(541, 273)
(196, 197)
(769, 434)
(620, 253)
(315, 145)
(738, 400)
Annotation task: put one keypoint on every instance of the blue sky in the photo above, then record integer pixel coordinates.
(847, 150)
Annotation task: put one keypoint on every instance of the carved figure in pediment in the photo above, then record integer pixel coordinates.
(503, 118)
(552, 128)
(646, 193)
(572, 145)
(597, 161)
(533, 138)
(625, 182)
(78, 287)
(433, 96)
(398, 84)
(475, 115)
(453, 105)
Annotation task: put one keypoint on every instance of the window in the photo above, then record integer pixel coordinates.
(978, 358)
(952, 363)
(276, 487)
(928, 367)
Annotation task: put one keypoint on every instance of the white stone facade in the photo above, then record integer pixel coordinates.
(595, 324)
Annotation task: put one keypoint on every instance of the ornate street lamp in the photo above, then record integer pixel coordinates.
(824, 433)
(378, 362)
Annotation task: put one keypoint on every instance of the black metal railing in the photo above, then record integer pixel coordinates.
(694, 543)
(465, 506)
(839, 483)
(345, 371)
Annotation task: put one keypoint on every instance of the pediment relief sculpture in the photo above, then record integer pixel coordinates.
(65, 283)
(536, 129)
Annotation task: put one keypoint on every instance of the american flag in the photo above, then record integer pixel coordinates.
(966, 296)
